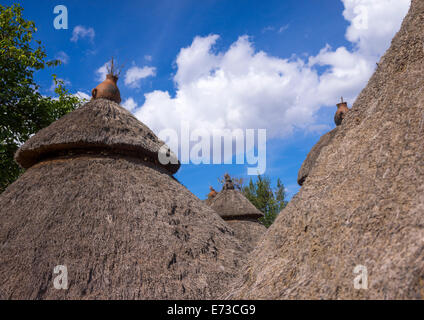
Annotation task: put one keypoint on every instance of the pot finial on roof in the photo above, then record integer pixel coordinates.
(212, 193)
(231, 203)
(98, 127)
(342, 109)
(108, 89)
(228, 185)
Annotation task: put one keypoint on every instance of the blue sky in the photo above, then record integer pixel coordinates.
(284, 64)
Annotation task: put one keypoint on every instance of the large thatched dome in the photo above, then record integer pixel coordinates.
(240, 214)
(360, 211)
(97, 127)
(121, 224)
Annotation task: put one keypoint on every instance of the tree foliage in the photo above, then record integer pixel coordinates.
(23, 110)
(270, 201)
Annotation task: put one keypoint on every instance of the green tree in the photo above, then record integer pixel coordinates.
(23, 110)
(268, 200)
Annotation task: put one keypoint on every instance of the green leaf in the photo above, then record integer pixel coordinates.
(23, 111)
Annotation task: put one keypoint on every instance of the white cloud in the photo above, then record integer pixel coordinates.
(129, 104)
(374, 23)
(81, 32)
(135, 74)
(148, 58)
(63, 57)
(283, 28)
(245, 88)
(102, 72)
(82, 95)
(268, 28)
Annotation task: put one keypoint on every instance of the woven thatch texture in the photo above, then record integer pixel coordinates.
(124, 230)
(249, 232)
(98, 124)
(312, 157)
(363, 201)
(240, 214)
(232, 204)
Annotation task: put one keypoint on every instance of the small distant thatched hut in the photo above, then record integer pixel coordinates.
(239, 213)
(95, 199)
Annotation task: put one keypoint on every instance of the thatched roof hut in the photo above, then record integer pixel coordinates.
(239, 213)
(359, 214)
(95, 199)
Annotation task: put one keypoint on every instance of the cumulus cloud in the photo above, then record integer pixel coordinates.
(81, 32)
(82, 95)
(134, 75)
(129, 104)
(245, 88)
(102, 72)
(373, 23)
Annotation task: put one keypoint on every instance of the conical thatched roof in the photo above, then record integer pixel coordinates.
(231, 204)
(97, 126)
(239, 213)
(120, 223)
(362, 205)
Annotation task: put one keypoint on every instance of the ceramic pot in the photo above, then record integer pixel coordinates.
(342, 109)
(107, 89)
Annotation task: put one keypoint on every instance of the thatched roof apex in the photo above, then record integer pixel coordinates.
(99, 126)
(232, 204)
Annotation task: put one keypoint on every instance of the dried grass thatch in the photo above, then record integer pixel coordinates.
(362, 204)
(313, 155)
(250, 232)
(123, 227)
(240, 214)
(231, 204)
(98, 126)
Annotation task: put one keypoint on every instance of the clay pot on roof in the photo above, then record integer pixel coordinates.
(342, 109)
(108, 89)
